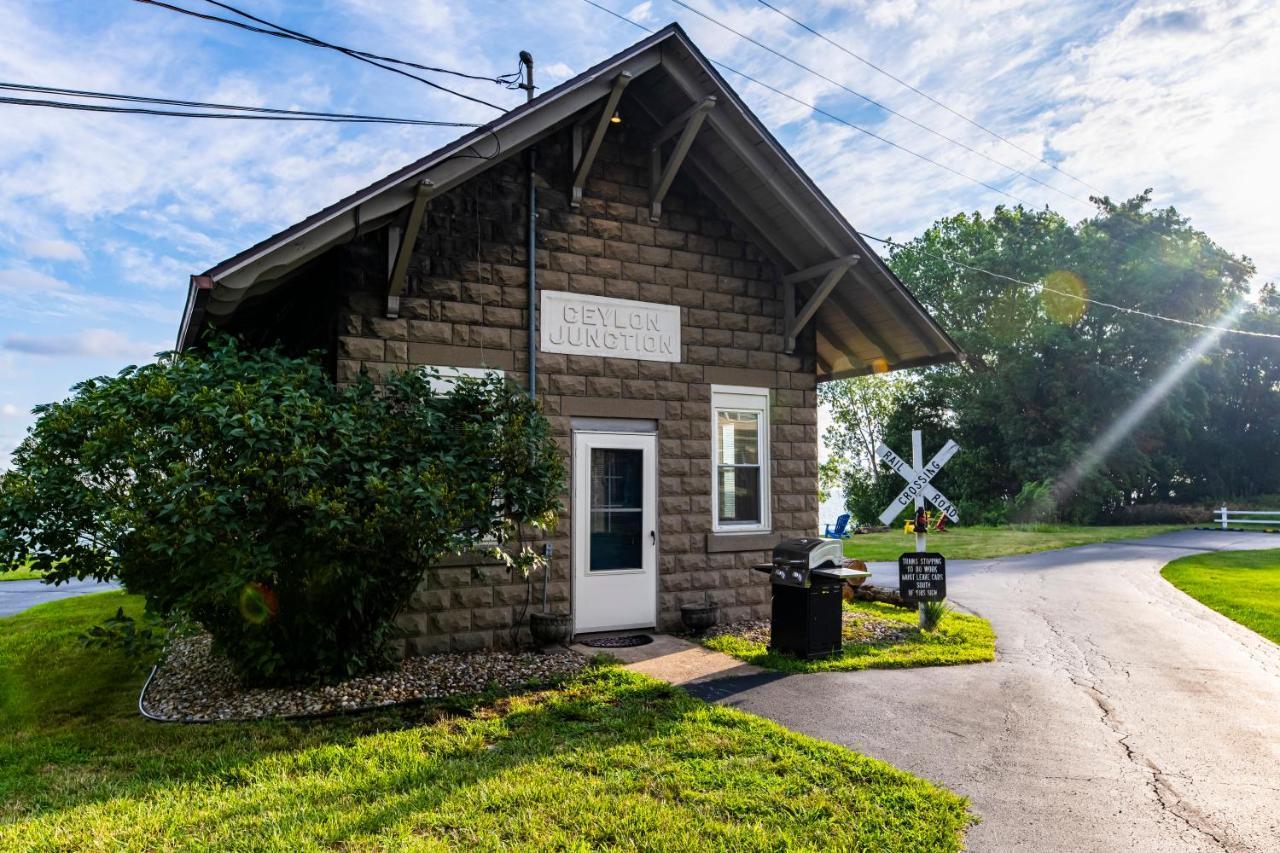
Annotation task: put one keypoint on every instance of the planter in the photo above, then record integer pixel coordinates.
(549, 629)
(699, 617)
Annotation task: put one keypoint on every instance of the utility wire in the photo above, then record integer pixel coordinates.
(1068, 294)
(359, 55)
(927, 96)
(884, 107)
(510, 81)
(253, 112)
(833, 117)
(250, 116)
(838, 119)
(681, 3)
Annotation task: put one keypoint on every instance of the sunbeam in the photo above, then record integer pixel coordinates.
(1101, 447)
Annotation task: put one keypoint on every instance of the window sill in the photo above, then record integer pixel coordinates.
(723, 542)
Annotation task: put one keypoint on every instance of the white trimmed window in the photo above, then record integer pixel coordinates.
(740, 459)
(443, 383)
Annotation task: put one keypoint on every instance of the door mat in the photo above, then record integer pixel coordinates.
(619, 642)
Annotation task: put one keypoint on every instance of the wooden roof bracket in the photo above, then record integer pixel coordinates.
(400, 245)
(583, 160)
(793, 322)
(687, 124)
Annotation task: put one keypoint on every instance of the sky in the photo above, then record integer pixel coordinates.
(104, 218)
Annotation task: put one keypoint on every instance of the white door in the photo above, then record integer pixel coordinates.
(615, 531)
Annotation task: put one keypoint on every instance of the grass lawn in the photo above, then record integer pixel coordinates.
(960, 638)
(23, 574)
(1244, 586)
(610, 758)
(960, 543)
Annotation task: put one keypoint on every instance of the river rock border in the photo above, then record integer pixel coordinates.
(194, 685)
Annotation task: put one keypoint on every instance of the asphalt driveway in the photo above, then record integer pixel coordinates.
(1120, 714)
(16, 596)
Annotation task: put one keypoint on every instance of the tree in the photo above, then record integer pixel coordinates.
(1231, 450)
(1051, 372)
(292, 519)
(860, 408)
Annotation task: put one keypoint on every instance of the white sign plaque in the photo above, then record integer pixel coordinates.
(617, 328)
(918, 477)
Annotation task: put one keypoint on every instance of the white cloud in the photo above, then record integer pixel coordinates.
(1154, 94)
(31, 293)
(93, 343)
(55, 250)
(9, 410)
(891, 13)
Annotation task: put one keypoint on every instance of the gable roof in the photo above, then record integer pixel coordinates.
(868, 323)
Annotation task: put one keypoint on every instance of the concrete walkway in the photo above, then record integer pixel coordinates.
(1120, 714)
(16, 596)
(676, 661)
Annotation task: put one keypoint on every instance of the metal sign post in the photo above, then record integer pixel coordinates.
(917, 459)
(918, 489)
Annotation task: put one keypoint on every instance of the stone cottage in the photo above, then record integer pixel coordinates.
(673, 302)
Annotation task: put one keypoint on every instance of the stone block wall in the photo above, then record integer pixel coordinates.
(466, 307)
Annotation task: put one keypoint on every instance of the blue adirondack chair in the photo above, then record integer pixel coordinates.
(840, 530)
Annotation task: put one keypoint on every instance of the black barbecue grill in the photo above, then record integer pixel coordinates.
(807, 576)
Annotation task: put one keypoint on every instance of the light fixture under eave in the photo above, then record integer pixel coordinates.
(615, 118)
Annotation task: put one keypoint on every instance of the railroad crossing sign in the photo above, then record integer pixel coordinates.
(917, 477)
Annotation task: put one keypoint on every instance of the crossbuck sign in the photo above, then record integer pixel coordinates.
(917, 476)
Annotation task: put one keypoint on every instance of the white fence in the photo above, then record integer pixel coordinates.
(1266, 517)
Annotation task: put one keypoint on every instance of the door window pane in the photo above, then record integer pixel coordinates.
(617, 509)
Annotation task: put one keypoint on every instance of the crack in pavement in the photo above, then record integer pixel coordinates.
(1073, 654)
(1166, 796)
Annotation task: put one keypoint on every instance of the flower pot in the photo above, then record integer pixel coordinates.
(549, 629)
(699, 617)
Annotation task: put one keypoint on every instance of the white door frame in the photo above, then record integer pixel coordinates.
(617, 599)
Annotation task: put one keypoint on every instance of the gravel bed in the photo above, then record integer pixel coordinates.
(194, 685)
(856, 627)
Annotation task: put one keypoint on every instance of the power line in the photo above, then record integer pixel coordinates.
(359, 55)
(681, 3)
(884, 107)
(818, 110)
(829, 115)
(1068, 294)
(928, 97)
(248, 116)
(253, 112)
(510, 81)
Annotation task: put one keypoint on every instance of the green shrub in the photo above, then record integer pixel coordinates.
(1034, 502)
(244, 491)
(1161, 513)
(932, 613)
(140, 641)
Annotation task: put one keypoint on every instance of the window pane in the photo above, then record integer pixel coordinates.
(617, 489)
(739, 493)
(616, 539)
(616, 478)
(739, 437)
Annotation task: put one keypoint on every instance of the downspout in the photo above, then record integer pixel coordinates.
(526, 59)
(531, 272)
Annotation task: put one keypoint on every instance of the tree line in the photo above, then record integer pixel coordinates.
(1068, 410)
